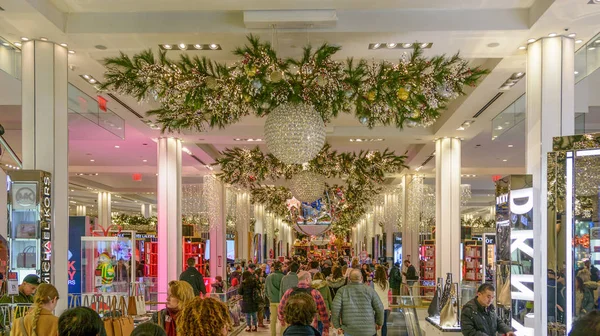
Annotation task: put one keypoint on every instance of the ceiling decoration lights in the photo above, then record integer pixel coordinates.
(185, 46)
(366, 140)
(90, 79)
(375, 46)
(196, 93)
(295, 133)
(364, 172)
(465, 125)
(511, 81)
(307, 186)
(465, 194)
(248, 140)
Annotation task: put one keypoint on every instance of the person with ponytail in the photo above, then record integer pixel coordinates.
(39, 321)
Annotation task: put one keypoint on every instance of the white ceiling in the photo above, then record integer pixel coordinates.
(487, 32)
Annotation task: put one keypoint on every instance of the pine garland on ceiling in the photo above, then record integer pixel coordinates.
(196, 93)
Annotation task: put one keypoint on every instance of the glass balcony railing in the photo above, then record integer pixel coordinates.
(10, 58)
(587, 58)
(81, 103)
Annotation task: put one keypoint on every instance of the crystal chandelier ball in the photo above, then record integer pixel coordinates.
(294, 133)
(307, 186)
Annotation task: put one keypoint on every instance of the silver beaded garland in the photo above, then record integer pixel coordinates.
(294, 133)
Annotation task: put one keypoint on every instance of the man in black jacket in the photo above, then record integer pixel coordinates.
(479, 317)
(193, 277)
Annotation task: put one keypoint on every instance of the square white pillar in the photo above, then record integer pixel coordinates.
(46, 140)
(447, 207)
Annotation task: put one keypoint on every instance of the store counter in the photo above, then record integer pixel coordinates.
(432, 327)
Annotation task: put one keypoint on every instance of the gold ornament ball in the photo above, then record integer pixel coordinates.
(276, 76)
(371, 96)
(402, 94)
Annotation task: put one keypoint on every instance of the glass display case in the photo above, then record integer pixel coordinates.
(573, 227)
(30, 223)
(106, 262)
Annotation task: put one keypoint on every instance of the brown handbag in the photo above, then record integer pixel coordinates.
(132, 306)
(108, 323)
(118, 325)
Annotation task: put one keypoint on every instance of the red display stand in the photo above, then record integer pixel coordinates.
(151, 258)
(472, 256)
(194, 248)
(428, 267)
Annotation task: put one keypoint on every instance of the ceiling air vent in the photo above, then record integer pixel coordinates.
(485, 107)
(125, 105)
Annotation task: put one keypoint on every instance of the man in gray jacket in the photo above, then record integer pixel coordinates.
(290, 280)
(357, 309)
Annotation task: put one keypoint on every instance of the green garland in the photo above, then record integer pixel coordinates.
(364, 172)
(195, 92)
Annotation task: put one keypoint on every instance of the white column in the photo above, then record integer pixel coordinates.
(217, 208)
(447, 207)
(146, 210)
(104, 209)
(46, 140)
(170, 253)
(243, 225)
(3, 205)
(411, 216)
(391, 216)
(259, 226)
(550, 113)
(81, 210)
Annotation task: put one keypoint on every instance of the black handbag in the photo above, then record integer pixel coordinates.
(27, 258)
(434, 306)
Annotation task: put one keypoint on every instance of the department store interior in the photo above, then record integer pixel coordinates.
(138, 134)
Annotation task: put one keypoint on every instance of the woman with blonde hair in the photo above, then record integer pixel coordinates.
(204, 317)
(39, 321)
(178, 295)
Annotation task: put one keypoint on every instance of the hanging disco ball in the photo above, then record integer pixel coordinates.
(307, 186)
(294, 133)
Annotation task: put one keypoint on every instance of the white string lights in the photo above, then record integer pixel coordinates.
(465, 194)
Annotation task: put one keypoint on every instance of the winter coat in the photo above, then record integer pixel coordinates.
(335, 285)
(587, 305)
(192, 276)
(476, 320)
(356, 309)
(288, 281)
(395, 278)
(383, 292)
(593, 286)
(247, 290)
(323, 288)
(273, 285)
(47, 324)
(301, 330)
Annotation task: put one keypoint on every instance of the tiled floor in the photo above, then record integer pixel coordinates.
(260, 332)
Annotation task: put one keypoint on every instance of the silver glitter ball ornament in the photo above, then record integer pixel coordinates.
(307, 186)
(294, 133)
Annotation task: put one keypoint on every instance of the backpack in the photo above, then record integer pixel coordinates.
(299, 290)
(411, 273)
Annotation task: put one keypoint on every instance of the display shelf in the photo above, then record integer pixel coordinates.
(473, 257)
(427, 269)
(151, 258)
(194, 248)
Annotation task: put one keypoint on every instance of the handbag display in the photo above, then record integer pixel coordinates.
(27, 258)
(434, 306)
(446, 290)
(504, 297)
(449, 314)
(141, 304)
(118, 325)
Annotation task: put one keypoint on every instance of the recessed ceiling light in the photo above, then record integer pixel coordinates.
(531, 40)
(43, 39)
(86, 76)
(572, 35)
(144, 160)
(167, 46)
(592, 48)
(520, 74)
(504, 160)
(499, 128)
(510, 146)
(578, 41)
(376, 45)
(460, 128)
(18, 44)
(92, 160)
(117, 146)
(392, 45)
(71, 51)
(424, 45)
(198, 46)
(24, 39)
(6, 44)
(182, 46)
(214, 46)
(597, 41)
(552, 35)
(92, 80)
(64, 45)
(577, 72)
(407, 45)
(522, 47)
